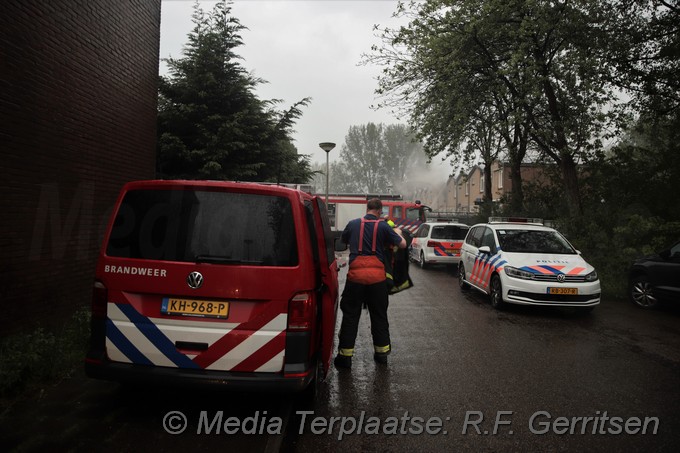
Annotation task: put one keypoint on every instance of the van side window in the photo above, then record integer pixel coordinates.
(309, 216)
(329, 239)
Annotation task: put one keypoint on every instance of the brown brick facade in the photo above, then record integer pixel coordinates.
(78, 94)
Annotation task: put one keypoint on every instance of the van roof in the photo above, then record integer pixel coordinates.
(195, 183)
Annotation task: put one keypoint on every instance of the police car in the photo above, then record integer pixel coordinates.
(437, 243)
(522, 261)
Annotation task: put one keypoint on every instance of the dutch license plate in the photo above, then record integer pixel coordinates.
(454, 252)
(192, 307)
(569, 291)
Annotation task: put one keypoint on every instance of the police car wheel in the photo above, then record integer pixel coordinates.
(461, 278)
(496, 293)
(423, 264)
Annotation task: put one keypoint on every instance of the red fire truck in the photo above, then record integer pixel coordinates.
(343, 207)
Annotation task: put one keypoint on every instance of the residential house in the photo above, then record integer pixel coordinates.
(465, 192)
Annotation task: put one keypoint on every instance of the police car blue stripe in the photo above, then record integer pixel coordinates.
(495, 259)
(124, 345)
(156, 337)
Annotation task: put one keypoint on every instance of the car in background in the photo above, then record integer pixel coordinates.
(655, 278)
(522, 261)
(437, 243)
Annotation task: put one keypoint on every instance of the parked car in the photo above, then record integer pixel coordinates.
(215, 283)
(655, 278)
(522, 261)
(437, 243)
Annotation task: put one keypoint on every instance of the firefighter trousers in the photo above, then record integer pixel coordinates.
(353, 297)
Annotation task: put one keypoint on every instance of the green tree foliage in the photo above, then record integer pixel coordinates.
(644, 53)
(376, 159)
(211, 124)
(537, 63)
(631, 207)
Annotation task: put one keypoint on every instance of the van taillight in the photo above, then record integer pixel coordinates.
(99, 300)
(301, 312)
(433, 243)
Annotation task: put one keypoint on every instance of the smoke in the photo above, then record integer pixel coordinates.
(426, 182)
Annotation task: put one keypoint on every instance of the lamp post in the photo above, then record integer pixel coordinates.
(327, 146)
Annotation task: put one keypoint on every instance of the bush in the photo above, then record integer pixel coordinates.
(40, 356)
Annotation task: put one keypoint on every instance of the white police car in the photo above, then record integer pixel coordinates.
(522, 261)
(437, 243)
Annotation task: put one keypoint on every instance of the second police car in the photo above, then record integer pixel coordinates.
(522, 261)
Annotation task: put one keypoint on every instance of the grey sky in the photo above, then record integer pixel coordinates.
(303, 49)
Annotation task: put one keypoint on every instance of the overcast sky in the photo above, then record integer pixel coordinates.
(303, 49)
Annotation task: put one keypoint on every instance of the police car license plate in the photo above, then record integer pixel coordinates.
(569, 291)
(454, 252)
(192, 307)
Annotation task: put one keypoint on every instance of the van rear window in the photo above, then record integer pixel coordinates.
(205, 226)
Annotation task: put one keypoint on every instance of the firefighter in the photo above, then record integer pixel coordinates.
(366, 282)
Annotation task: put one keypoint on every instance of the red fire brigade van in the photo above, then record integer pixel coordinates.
(226, 283)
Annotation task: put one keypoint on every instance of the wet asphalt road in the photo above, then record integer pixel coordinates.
(454, 359)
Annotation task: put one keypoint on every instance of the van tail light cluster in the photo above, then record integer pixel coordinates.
(301, 312)
(434, 244)
(99, 300)
(97, 352)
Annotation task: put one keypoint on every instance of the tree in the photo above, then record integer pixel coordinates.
(210, 122)
(376, 159)
(545, 57)
(644, 53)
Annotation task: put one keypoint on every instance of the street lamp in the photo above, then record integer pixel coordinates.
(327, 146)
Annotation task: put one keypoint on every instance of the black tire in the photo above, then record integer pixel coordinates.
(422, 263)
(461, 278)
(496, 293)
(310, 394)
(640, 293)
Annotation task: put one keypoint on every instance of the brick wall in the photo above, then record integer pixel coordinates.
(78, 90)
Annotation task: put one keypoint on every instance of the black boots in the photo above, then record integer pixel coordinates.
(380, 357)
(343, 361)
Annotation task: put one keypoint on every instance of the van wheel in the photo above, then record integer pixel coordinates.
(496, 293)
(461, 278)
(423, 264)
(309, 395)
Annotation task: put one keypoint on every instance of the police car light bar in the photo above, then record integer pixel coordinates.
(515, 220)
